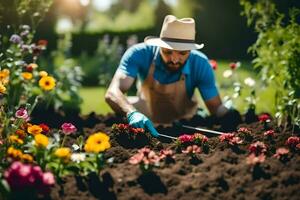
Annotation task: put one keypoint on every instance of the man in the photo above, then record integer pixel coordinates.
(169, 69)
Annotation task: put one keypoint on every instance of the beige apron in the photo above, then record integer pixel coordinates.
(164, 103)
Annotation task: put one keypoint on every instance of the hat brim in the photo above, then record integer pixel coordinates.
(172, 45)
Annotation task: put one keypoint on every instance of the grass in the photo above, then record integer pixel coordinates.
(93, 97)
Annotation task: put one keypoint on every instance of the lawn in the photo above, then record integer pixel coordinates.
(93, 97)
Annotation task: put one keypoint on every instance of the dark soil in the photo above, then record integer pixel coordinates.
(222, 173)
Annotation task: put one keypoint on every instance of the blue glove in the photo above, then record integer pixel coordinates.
(139, 120)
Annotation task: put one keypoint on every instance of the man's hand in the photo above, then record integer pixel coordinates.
(139, 120)
(230, 120)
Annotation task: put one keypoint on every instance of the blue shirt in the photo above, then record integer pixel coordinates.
(198, 72)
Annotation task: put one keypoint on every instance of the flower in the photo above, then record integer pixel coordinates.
(230, 138)
(185, 138)
(42, 43)
(252, 159)
(281, 153)
(27, 158)
(63, 153)
(20, 133)
(97, 142)
(199, 138)
(68, 128)
(264, 118)
(234, 65)
(31, 67)
(257, 148)
(16, 39)
(166, 153)
(227, 73)
(48, 179)
(192, 149)
(249, 82)
(41, 140)
(136, 131)
(293, 141)
(45, 128)
(78, 157)
(2, 88)
(34, 129)
(47, 83)
(15, 139)
(27, 75)
(269, 133)
(43, 74)
(22, 114)
(145, 156)
(213, 64)
(14, 153)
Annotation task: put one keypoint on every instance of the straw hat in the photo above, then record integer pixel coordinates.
(176, 34)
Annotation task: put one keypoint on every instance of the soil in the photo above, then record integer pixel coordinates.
(222, 173)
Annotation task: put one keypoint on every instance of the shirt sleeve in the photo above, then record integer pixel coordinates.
(131, 61)
(206, 83)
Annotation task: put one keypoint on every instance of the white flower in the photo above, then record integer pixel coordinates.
(227, 73)
(78, 157)
(249, 81)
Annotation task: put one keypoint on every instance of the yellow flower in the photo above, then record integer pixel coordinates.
(34, 129)
(64, 153)
(47, 83)
(97, 142)
(43, 73)
(2, 88)
(15, 139)
(27, 75)
(27, 158)
(41, 140)
(15, 153)
(4, 74)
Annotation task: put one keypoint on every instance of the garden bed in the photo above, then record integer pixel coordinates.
(221, 173)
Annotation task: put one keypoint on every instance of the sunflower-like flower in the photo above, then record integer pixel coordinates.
(47, 83)
(97, 142)
(63, 153)
(34, 129)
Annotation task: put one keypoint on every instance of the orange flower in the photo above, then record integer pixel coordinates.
(27, 158)
(34, 129)
(21, 133)
(4, 74)
(2, 88)
(47, 83)
(15, 139)
(14, 153)
(27, 75)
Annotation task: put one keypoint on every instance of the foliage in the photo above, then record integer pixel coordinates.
(277, 54)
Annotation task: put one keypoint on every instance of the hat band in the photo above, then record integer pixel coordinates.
(177, 40)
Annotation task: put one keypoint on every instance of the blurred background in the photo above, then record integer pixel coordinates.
(94, 34)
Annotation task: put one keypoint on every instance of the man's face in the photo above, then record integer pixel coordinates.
(173, 59)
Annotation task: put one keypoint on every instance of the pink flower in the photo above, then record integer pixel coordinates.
(22, 114)
(281, 152)
(166, 153)
(186, 138)
(269, 133)
(192, 149)
(293, 141)
(230, 138)
(252, 159)
(264, 118)
(145, 156)
(48, 179)
(257, 148)
(213, 64)
(68, 128)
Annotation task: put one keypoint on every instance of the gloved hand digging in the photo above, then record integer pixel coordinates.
(230, 120)
(139, 120)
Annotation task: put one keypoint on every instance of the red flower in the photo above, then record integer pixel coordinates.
(213, 64)
(281, 152)
(264, 118)
(233, 65)
(42, 43)
(136, 130)
(252, 159)
(269, 133)
(293, 141)
(192, 149)
(230, 138)
(45, 128)
(186, 138)
(257, 148)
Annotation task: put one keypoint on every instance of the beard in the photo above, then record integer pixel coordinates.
(173, 67)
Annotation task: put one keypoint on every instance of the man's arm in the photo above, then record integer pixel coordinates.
(215, 106)
(115, 94)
